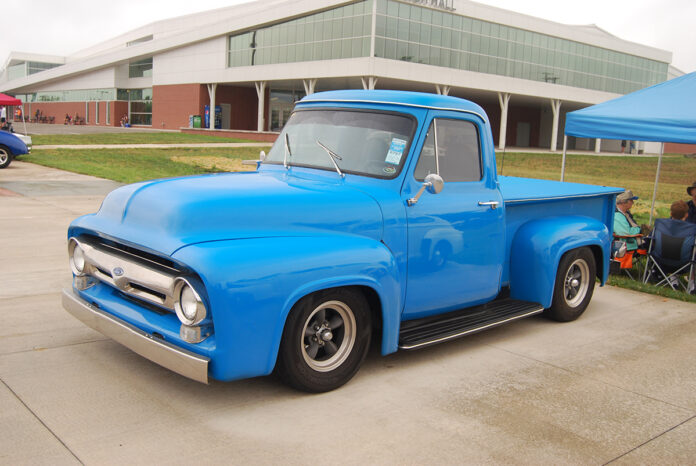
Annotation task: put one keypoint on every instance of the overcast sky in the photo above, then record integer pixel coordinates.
(62, 28)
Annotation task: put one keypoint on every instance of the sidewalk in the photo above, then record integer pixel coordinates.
(151, 146)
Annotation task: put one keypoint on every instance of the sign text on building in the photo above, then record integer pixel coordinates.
(441, 4)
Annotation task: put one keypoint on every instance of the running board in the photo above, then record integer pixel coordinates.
(431, 330)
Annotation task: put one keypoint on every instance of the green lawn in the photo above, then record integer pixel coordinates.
(636, 285)
(634, 173)
(129, 138)
(132, 165)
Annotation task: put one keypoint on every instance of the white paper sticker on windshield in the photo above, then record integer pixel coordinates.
(396, 151)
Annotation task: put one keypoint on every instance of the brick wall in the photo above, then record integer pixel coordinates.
(674, 148)
(244, 104)
(172, 105)
(58, 110)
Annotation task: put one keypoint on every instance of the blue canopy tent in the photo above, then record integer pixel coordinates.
(665, 112)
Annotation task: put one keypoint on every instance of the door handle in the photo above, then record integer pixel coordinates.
(492, 204)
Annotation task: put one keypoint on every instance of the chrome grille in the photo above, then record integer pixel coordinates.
(137, 276)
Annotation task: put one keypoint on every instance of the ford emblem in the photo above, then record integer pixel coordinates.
(118, 271)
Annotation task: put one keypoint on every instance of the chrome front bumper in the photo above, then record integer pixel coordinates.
(179, 360)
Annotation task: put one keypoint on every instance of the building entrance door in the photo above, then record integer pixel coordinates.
(523, 133)
(281, 105)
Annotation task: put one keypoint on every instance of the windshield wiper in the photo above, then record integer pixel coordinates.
(333, 156)
(287, 150)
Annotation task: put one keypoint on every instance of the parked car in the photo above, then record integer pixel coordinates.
(26, 139)
(10, 146)
(376, 214)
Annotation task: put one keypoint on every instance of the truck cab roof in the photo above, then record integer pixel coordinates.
(401, 98)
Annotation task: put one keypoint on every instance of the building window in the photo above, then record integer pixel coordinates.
(140, 68)
(410, 32)
(342, 32)
(139, 41)
(81, 95)
(139, 105)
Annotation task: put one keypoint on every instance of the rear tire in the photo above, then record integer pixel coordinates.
(5, 157)
(575, 281)
(325, 340)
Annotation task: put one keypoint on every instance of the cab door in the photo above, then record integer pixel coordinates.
(456, 237)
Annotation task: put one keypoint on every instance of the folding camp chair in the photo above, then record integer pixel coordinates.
(671, 254)
(623, 260)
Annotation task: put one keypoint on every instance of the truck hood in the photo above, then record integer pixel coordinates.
(165, 215)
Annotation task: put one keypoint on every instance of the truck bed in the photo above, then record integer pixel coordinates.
(526, 190)
(529, 199)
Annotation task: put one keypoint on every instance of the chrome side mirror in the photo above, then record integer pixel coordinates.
(262, 156)
(433, 183)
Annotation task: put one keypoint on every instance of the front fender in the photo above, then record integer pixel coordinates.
(252, 284)
(537, 249)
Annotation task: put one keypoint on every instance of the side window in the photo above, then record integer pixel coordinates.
(458, 157)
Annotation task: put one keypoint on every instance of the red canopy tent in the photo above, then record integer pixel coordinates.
(6, 100)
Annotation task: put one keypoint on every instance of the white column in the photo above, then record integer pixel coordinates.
(374, 29)
(309, 86)
(442, 89)
(556, 108)
(503, 100)
(369, 82)
(261, 93)
(598, 145)
(212, 88)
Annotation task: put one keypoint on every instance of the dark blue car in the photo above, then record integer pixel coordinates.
(10, 146)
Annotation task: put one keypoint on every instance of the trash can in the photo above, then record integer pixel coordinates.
(190, 121)
(196, 121)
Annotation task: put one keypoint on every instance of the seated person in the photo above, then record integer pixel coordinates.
(679, 210)
(624, 224)
(6, 125)
(691, 218)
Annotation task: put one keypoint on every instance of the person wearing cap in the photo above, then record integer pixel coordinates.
(624, 224)
(692, 203)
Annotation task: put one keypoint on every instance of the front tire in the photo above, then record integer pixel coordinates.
(575, 281)
(5, 157)
(325, 340)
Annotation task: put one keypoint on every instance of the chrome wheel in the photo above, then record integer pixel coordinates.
(328, 336)
(576, 283)
(4, 157)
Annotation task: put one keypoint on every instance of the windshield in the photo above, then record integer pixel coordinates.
(366, 143)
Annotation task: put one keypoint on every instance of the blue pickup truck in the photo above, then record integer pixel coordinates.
(377, 216)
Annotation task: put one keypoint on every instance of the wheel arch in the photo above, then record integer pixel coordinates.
(386, 322)
(253, 285)
(538, 247)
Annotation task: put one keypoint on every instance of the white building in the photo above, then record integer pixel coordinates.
(254, 60)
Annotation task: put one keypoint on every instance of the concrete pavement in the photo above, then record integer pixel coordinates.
(615, 386)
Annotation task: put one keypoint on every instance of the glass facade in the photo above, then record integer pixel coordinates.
(422, 35)
(69, 96)
(139, 100)
(140, 68)
(342, 32)
(26, 68)
(410, 32)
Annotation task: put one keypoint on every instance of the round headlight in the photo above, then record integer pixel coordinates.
(188, 305)
(77, 257)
